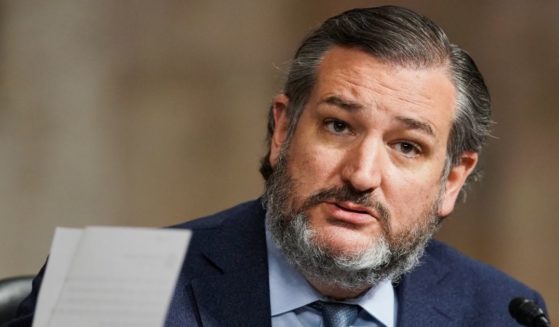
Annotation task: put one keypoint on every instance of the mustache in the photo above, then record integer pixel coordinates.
(348, 193)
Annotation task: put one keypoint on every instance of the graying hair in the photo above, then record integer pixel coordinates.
(398, 36)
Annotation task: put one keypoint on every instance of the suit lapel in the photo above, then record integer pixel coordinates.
(239, 296)
(424, 296)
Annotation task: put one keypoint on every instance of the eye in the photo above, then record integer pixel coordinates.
(409, 149)
(337, 126)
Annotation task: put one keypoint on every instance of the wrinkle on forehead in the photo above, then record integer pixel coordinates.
(422, 93)
(406, 88)
(357, 74)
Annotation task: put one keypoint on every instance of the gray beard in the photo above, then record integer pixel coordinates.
(387, 257)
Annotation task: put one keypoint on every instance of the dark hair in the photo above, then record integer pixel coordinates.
(399, 36)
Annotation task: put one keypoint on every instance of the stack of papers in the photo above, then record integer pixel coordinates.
(110, 276)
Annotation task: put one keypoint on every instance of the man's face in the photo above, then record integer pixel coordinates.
(378, 131)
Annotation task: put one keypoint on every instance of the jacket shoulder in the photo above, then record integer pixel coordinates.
(486, 285)
(469, 269)
(452, 289)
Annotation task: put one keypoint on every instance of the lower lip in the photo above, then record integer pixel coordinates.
(348, 216)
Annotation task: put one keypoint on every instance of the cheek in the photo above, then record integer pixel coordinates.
(312, 168)
(409, 196)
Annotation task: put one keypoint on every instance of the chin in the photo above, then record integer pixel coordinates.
(346, 243)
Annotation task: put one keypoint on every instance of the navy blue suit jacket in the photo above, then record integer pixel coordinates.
(224, 281)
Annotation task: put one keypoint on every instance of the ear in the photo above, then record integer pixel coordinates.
(279, 110)
(455, 180)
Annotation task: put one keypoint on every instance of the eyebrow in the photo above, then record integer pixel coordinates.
(350, 106)
(342, 103)
(417, 125)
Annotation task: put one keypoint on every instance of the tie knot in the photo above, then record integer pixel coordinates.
(337, 314)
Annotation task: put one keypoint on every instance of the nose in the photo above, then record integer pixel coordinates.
(363, 166)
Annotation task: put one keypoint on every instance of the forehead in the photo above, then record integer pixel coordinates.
(425, 94)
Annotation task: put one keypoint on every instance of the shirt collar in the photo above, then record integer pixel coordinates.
(289, 290)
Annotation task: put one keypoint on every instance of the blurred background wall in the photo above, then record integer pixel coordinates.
(148, 113)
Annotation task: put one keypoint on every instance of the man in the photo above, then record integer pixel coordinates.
(378, 129)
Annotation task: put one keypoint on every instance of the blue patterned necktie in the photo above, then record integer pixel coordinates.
(337, 314)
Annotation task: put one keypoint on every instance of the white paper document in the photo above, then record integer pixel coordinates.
(110, 276)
